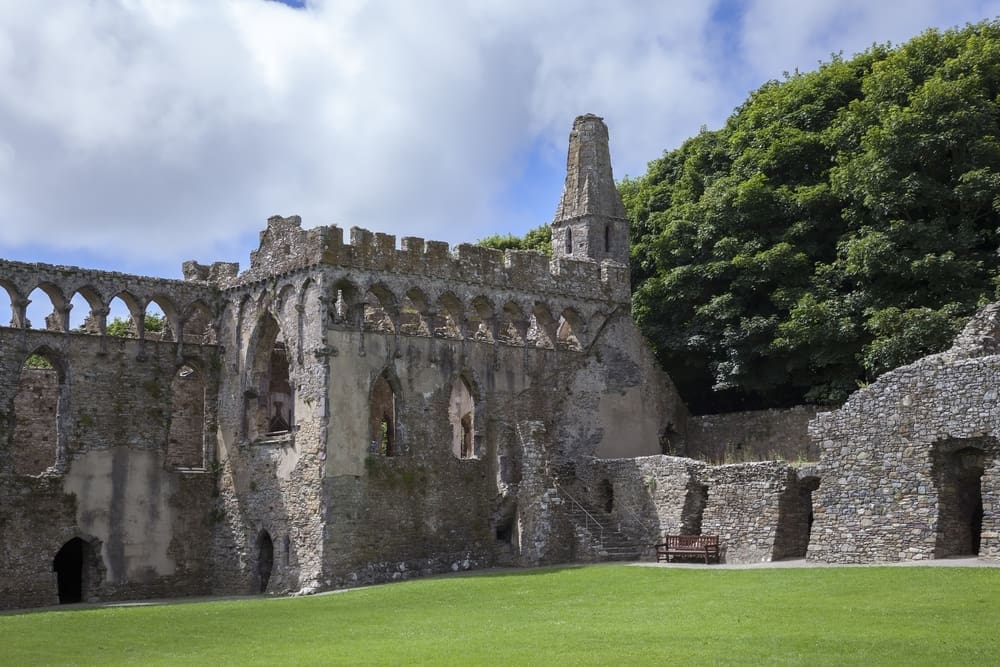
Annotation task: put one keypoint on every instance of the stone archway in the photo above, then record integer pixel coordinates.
(72, 565)
(958, 468)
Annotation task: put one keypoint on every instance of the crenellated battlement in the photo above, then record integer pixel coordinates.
(286, 247)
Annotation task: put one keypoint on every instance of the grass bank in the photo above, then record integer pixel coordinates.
(585, 615)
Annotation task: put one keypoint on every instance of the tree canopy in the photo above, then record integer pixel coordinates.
(538, 239)
(843, 222)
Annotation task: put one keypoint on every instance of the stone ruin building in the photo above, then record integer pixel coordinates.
(342, 413)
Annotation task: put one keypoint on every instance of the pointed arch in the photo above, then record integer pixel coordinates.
(462, 417)
(569, 330)
(40, 403)
(46, 308)
(384, 415)
(198, 324)
(125, 311)
(9, 313)
(513, 325)
(160, 318)
(186, 440)
(86, 311)
(481, 320)
(381, 312)
(541, 327)
(448, 321)
(347, 308)
(413, 309)
(270, 404)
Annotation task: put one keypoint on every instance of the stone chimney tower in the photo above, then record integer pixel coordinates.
(590, 221)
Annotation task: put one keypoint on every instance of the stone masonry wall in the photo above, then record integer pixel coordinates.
(758, 435)
(105, 478)
(891, 459)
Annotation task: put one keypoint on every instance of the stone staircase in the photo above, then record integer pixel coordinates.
(597, 532)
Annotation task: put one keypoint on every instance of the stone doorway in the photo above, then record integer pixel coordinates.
(70, 566)
(265, 560)
(958, 472)
(795, 519)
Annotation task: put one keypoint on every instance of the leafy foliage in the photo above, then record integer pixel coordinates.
(538, 239)
(843, 222)
(123, 328)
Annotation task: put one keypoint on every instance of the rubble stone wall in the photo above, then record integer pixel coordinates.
(891, 459)
(105, 479)
(757, 435)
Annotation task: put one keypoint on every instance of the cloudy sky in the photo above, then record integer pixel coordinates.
(135, 134)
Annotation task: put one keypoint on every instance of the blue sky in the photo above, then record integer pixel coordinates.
(137, 134)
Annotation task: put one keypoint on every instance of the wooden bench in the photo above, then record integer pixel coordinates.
(701, 546)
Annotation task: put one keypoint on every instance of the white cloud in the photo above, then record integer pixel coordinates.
(162, 130)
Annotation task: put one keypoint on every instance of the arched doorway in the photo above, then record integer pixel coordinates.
(265, 560)
(958, 472)
(69, 565)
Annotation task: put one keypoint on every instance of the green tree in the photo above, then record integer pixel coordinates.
(843, 222)
(538, 239)
(123, 328)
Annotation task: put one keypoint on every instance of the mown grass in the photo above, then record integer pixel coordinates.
(585, 615)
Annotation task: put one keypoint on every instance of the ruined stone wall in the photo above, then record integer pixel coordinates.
(758, 435)
(756, 509)
(105, 479)
(35, 411)
(891, 458)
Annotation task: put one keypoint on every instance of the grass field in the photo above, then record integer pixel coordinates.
(602, 614)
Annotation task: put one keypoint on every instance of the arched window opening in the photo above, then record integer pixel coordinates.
(345, 305)
(38, 405)
(412, 320)
(199, 327)
(513, 326)
(461, 414)
(567, 331)
(271, 382)
(44, 309)
(541, 328)
(607, 238)
(123, 312)
(480, 322)
(186, 442)
(448, 318)
(76, 571)
(569, 241)
(383, 418)
(265, 560)
(156, 323)
(7, 318)
(81, 319)
(379, 309)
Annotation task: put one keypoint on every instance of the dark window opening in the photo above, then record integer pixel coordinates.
(569, 241)
(505, 531)
(607, 238)
(606, 493)
(383, 418)
(270, 406)
(467, 435)
(279, 392)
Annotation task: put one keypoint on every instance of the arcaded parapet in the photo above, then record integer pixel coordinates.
(909, 463)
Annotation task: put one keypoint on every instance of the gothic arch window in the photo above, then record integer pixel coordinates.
(270, 394)
(462, 415)
(186, 442)
(39, 403)
(384, 441)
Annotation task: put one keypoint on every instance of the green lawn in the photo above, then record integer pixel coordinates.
(576, 615)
